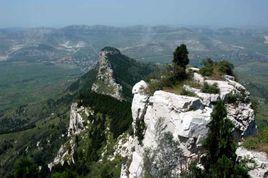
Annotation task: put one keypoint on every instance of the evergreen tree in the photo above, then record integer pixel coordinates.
(220, 144)
(180, 60)
(221, 159)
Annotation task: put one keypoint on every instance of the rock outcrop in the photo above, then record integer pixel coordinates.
(76, 121)
(105, 83)
(256, 161)
(240, 113)
(76, 126)
(185, 118)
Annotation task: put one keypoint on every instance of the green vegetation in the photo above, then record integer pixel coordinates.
(25, 168)
(213, 89)
(187, 93)
(220, 144)
(258, 142)
(128, 72)
(180, 61)
(23, 83)
(118, 111)
(99, 139)
(162, 161)
(215, 70)
(172, 75)
(254, 76)
(233, 98)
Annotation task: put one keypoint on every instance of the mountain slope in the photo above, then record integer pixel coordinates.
(45, 124)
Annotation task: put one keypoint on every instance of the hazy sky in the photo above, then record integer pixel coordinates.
(57, 13)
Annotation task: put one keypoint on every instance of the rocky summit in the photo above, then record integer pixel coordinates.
(105, 83)
(186, 118)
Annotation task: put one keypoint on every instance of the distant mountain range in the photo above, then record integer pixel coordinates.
(78, 44)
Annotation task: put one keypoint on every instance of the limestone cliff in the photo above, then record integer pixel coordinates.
(180, 120)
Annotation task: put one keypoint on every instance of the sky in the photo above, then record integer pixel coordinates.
(59, 13)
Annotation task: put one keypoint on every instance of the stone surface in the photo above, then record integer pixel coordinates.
(198, 78)
(139, 102)
(76, 121)
(185, 117)
(257, 161)
(65, 154)
(206, 98)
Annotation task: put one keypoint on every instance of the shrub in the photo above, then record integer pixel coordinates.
(161, 79)
(187, 93)
(213, 89)
(206, 71)
(216, 69)
(233, 98)
(226, 67)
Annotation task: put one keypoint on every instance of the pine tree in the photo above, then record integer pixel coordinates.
(180, 60)
(221, 145)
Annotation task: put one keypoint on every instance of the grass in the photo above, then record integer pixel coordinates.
(213, 89)
(258, 142)
(178, 87)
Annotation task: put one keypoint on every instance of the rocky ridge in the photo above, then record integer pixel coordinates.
(185, 119)
(105, 83)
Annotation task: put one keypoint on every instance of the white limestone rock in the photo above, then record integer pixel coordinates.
(243, 117)
(257, 161)
(76, 121)
(206, 98)
(224, 87)
(198, 78)
(77, 126)
(229, 77)
(194, 69)
(185, 117)
(65, 154)
(139, 101)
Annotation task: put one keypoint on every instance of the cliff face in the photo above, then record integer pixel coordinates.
(180, 120)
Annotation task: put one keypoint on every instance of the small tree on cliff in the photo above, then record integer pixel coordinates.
(180, 61)
(221, 159)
